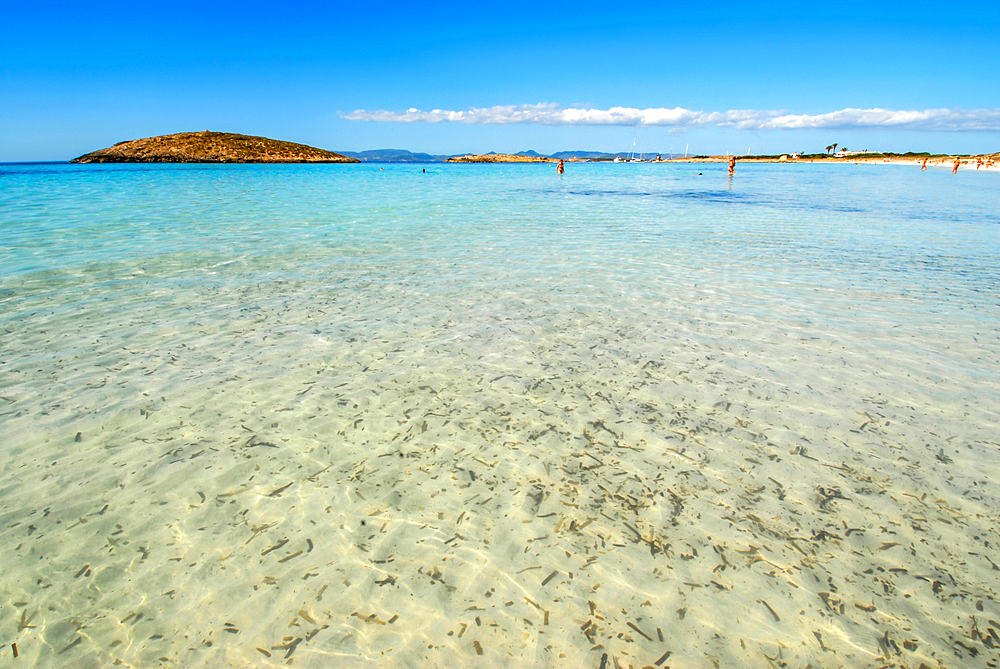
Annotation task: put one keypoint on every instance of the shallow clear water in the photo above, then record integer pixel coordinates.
(335, 414)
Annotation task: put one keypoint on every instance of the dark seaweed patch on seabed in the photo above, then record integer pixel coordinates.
(843, 208)
(776, 201)
(742, 198)
(7, 172)
(704, 195)
(716, 196)
(18, 169)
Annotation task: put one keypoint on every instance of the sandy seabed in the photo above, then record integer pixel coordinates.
(359, 473)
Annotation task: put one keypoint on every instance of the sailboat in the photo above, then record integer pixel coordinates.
(631, 156)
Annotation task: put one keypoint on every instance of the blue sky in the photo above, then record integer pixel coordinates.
(75, 77)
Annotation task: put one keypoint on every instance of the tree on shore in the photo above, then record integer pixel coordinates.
(832, 147)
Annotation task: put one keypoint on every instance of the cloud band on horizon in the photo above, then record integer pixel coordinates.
(948, 120)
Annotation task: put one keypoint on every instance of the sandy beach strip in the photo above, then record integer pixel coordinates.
(989, 163)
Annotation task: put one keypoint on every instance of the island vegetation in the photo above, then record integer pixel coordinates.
(211, 147)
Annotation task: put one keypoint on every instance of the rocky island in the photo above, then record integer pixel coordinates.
(211, 147)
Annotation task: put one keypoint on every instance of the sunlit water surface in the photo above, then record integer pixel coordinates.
(639, 415)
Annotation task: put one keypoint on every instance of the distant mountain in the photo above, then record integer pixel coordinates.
(500, 158)
(598, 155)
(589, 155)
(584, 155)
(570, 155)
(404, 156)
(393, 156)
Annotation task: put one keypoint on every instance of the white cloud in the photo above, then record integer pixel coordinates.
(955, 120)
(929, 119)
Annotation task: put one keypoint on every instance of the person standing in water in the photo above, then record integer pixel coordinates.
(560, 168)
(732, 164)
(954, 170)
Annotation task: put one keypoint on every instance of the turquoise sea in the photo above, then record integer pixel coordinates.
(483, 415)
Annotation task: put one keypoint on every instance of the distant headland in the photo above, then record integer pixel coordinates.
(500, 158)
(211, 147)
(224, 147)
